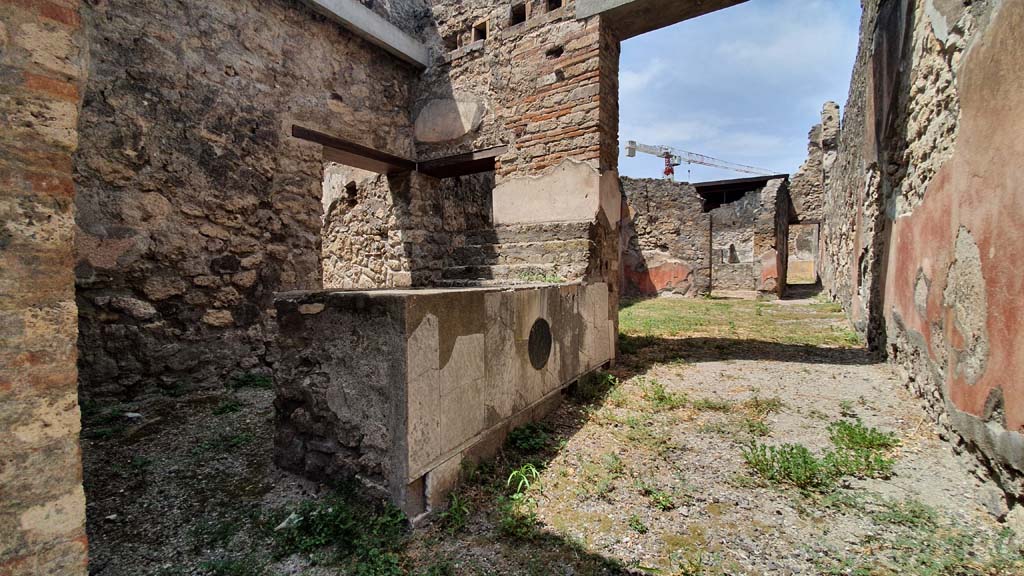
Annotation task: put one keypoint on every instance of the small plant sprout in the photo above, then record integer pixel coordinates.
(522, 478)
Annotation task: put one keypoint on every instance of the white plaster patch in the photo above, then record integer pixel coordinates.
(311, 309)
(571, 192)
(448, 119)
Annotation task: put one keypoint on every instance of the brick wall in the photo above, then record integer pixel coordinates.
(540, 82)
(42, 504)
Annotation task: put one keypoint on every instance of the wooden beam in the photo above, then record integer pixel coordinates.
(355, 155)
(359, 156)
(462, 164)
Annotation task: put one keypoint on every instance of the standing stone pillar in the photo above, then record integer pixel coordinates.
(42, 503)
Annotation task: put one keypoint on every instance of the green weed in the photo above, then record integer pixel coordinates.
(529, 439)
(859, 451)
(757, 428)
(763, 407)
(660, 398)
(454, 518)
(367, 537)
(593, 387)
(522, 478)
(791, 464)
(637, 525)
(656, 497)
(856, 436)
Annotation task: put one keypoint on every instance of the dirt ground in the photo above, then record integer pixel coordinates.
(651, 469)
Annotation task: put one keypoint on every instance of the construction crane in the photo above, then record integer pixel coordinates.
(674, 157)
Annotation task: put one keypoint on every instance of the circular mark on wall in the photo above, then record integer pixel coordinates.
(540, 343)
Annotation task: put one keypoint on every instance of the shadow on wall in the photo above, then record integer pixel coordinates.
(665, 239)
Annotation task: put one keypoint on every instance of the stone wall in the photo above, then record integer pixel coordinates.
(924, 210)
(771, 238)
(195, 205)
(665, 244)
(399, 231)
(42, 503)
(732, 243)
(671, 244)
(807, 185)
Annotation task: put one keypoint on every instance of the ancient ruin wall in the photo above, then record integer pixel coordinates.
(547, 89)
(665, 239)
(850, 217)
(195, 205)
(807, 185)
(936, 102)
(398, 231)
(534, 85)
(42, 504)
(732, 243)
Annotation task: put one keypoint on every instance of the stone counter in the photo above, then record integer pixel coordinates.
(398, 387)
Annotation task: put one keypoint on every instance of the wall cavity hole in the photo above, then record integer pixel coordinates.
(451, 42)
(539, 345)
(555, 52)
(554, 5)
(518, 15)
(480, 32)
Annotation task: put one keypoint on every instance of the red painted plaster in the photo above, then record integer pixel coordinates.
(981, 188)
(652, 281)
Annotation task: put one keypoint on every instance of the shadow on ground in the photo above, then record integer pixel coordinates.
(641, 352)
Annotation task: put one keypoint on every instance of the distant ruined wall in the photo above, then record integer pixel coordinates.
(195, 205)
(732, 243)
(665, 245)
(42, 504)
(807, 185)
(924, 213)
(671, 245)
(771, 238)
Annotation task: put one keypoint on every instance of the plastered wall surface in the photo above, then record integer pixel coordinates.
(665, 239)
(462, 372)
(670, 244)
(924, 265)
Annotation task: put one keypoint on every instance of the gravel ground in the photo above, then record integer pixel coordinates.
(647, 477)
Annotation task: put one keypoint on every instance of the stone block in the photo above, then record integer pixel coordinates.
(395, 387)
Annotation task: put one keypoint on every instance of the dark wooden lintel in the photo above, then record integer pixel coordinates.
(462, 164)
(352, 154)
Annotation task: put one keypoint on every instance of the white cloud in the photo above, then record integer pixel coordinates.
(673, 133)
(631, 81)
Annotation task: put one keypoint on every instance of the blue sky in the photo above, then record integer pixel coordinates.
(744, 84)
